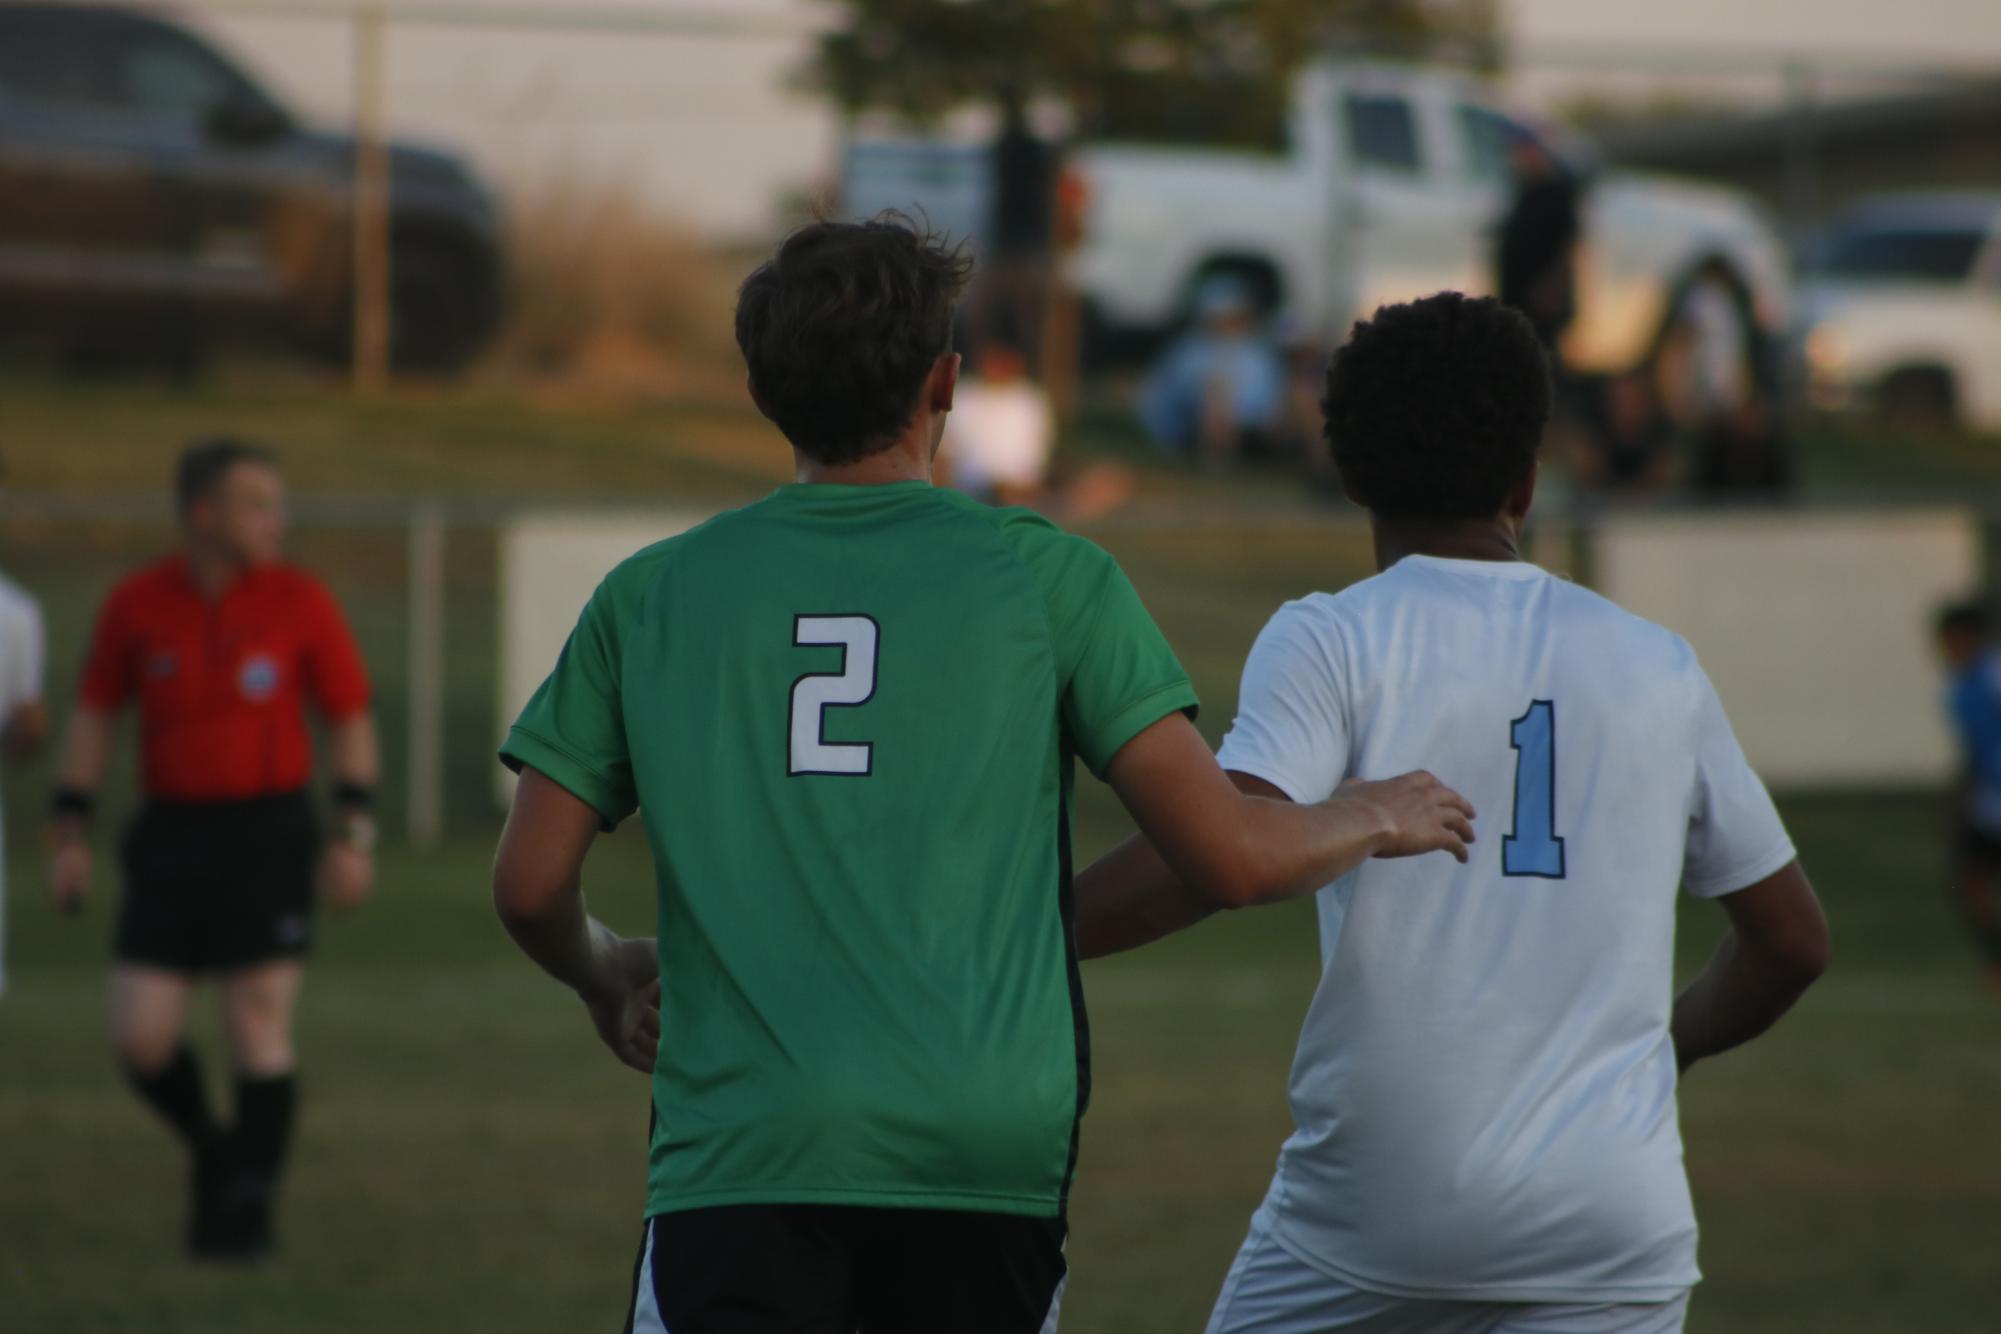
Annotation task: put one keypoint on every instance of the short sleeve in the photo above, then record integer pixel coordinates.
(111, 668)
(573, 728)
(1291, 728)
(335, 674)
(21, 653)
(1119, 675)
(1735, 836)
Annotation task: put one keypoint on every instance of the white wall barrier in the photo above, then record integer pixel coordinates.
(550, 564)
(1815, 627)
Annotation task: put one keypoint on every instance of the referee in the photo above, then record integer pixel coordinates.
(222, 644)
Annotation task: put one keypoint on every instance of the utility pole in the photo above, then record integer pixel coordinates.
(371, 205)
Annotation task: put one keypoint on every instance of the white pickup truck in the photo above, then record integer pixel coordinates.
(1389, 185)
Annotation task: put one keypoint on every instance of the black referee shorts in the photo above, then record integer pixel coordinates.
(218, 886)
(837, 1269)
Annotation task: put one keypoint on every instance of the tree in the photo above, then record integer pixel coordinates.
(1123, 66)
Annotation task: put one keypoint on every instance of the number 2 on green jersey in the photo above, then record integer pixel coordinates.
(814, 693)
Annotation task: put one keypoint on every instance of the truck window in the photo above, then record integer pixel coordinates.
(1912, 253)
(1486, 140)
(47, 57)
(1382, 132)
(160, 70)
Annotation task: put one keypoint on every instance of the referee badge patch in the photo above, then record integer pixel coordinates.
(259, 677)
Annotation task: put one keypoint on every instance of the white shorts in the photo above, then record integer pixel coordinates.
(1271, 1291)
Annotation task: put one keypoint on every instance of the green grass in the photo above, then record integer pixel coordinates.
(470, 1160)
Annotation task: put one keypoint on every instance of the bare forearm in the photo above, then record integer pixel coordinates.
(1292, 850)
(86, 751)
(565, 940)
(1234, 840)
(1737, 996)
(26, 729)
(538, 883)
(86, 755)
(1131, 897)
(353, 753)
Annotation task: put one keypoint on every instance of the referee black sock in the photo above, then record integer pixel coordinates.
(176, 1092)
(265, 1108)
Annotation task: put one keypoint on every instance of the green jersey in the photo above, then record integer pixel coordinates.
(847, 716)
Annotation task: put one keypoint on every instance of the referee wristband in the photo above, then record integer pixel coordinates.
(73, 803)
(353, 798)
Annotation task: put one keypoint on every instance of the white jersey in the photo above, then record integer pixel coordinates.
(1484, 1091)
(21, 662)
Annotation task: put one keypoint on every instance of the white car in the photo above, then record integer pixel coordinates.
(1900, 310)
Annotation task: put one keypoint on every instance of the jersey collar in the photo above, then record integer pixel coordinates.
(1496, 569)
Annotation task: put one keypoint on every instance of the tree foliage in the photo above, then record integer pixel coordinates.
(1123, 66)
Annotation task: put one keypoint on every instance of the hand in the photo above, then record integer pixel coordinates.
(69, 875)
(347, 875)
(1419, 814)
(625, 1001)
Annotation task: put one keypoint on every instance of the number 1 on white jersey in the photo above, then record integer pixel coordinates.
(1533, 848)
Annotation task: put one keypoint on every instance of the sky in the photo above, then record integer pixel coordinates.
(708, 131)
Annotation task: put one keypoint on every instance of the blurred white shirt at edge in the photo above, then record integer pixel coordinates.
(999, 435)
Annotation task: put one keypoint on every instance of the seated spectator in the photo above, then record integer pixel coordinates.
(1627, 445)
(1001, 433)
(999, 445)
(1219, 391)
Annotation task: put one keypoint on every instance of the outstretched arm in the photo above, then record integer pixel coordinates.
(1777, 946)
(1131, 897)
(538, 893)
(1211, 842)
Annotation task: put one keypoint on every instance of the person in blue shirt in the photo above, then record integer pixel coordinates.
(1219, 391)
(1973, 704)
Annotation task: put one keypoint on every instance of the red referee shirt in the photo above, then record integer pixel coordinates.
(222, 685)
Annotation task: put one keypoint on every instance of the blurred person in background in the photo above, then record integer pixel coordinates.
(1712, 377)
(1535, 255)
(1973, 705)
(1628, 444)
(223, 645)
(24, 717)
(1011, 300)
(1000, 444)
(1306, 357)
(1484, 1092)
(1218, 393)
(1002, 431)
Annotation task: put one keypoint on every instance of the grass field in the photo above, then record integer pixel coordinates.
(471, 1161)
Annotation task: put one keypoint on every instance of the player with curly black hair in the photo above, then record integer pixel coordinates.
(1435, 410)
(1485, 1085)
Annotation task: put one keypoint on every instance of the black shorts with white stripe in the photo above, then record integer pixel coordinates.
(837, 1269)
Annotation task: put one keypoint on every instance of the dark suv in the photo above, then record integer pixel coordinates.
(153, 198)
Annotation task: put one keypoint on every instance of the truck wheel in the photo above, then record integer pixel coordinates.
(1707, 357)
(1924, 396)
